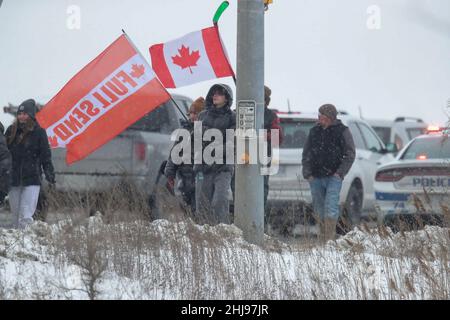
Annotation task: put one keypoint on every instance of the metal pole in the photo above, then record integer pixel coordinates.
(249, 203)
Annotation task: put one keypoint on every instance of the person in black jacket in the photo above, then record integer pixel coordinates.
(271, 122)
(5, 166)
(185, 171)
(30, 151)
(213, 180)
(328, 155)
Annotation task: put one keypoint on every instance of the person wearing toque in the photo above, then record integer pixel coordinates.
(328, 155)
(31, 155)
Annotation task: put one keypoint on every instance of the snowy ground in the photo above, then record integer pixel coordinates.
(133, 259)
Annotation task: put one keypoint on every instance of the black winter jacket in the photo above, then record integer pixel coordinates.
(29, 158)
(328, 151)
(5, 163)
(185, 170)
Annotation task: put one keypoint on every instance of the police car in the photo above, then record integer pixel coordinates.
(416, 185)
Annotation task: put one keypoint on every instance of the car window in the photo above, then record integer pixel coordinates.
(384, 133)
(357, 137)
(415, 132)
(154, 121)
(295, 132)
(429, 148)
(372, 142)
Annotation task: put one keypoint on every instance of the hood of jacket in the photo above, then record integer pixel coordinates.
(228, 95)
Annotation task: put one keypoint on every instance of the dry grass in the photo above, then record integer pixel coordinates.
(158, 259)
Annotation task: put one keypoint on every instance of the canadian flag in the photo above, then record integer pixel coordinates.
(196, 57)
(109, 94)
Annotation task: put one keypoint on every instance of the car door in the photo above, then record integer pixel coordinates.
(359, 167)
(371, 157)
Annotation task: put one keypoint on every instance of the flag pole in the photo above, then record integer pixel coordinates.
(156, 76)
(223, 6)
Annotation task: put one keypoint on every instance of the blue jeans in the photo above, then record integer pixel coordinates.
(325, 196)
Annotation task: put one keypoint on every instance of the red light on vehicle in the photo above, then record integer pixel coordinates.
(389, 175)
(433, 128)
(422, 157)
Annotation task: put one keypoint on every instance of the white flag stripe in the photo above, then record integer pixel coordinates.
(127, 66)
(201, 72)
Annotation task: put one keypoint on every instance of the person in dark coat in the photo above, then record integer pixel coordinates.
(213, 180)
(5, 166)
(271, 122)
(31, 155)
(185, 171)
(328, 155)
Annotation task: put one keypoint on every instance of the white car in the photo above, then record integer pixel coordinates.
(400, 131)
(291, 193)
(416, 186)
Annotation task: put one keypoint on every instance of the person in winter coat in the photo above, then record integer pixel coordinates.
(213, 180)
(185, 171)
(5, 166)
(328, 155)
(30, 151)
(271, 121)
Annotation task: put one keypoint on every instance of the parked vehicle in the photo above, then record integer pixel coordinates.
(289, 193)
(400, 131)
(416, 186)
(135, 156)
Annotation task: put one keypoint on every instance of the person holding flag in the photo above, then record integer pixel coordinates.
(185, 171)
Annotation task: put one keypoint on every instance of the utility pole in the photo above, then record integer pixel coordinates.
(249, 199)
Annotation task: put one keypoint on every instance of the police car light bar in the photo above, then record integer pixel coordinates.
(433, 129)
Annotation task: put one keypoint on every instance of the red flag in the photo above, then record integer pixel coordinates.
(195, 57)
(112, 92)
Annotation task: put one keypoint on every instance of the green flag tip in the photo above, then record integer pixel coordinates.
(223, 6)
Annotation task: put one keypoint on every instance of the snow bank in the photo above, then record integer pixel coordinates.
(181, 260)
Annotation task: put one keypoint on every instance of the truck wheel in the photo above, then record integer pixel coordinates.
(351, 213)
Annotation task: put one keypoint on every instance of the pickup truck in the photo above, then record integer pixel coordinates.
(135, 156)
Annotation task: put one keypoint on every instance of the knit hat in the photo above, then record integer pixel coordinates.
(329, 111)
(197, 105)
(29, 107)
(267, 93)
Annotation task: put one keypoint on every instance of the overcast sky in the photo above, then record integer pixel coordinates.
(316, 51)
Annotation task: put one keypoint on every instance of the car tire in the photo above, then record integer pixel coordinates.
(351, 212)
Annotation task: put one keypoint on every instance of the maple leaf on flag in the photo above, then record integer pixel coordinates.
(137, 70)
(186, 59)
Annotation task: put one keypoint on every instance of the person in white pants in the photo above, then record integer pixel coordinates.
(31, 155)
(23, 202)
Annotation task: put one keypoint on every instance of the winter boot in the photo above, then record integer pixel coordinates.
(329, 229)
